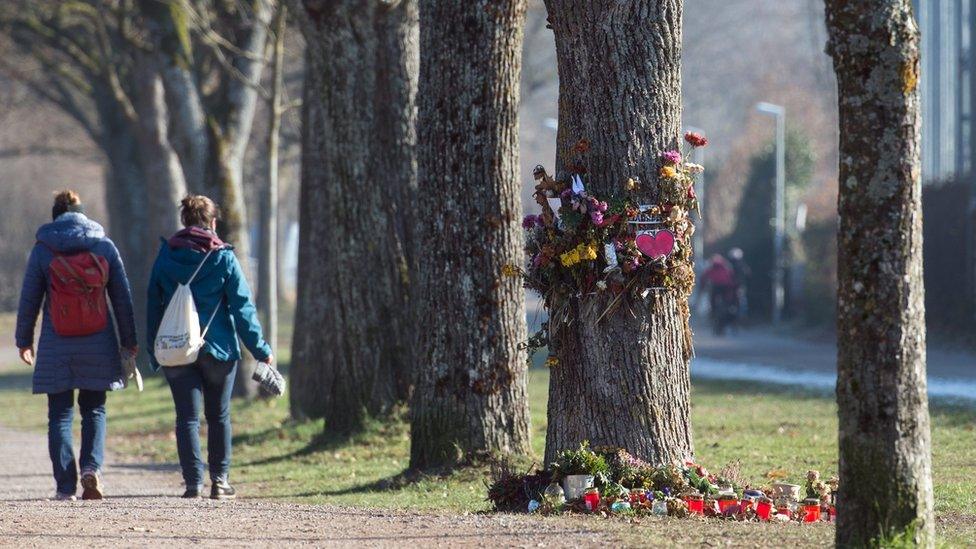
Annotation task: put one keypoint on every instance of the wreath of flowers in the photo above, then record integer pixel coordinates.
(595, 244)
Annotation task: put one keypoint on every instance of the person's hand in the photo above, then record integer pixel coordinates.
(27, 355)
(270, 360)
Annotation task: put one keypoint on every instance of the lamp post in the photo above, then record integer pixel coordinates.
(779, 222)
(698, 157)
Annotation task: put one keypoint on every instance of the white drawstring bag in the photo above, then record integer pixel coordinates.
(179, 339)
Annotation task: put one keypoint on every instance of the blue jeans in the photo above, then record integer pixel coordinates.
(60, 415)
(211, 381)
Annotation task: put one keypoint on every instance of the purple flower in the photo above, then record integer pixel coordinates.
(566, 194)
(602, 207)
(667, 491)
(671, 157)
(596, 217)
(530, 221)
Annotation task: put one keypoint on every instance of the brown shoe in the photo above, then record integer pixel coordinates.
(91, 486)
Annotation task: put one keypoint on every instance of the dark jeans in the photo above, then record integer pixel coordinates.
(212, 382)
(60, 414)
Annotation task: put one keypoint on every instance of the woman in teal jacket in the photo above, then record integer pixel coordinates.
(219, 291)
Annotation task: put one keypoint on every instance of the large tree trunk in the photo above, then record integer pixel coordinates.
(165, 185)
(352, 342)
(885, 446)
(623, 380)
(470, 396)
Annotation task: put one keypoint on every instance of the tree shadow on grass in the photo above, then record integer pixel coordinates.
(323, 442)
(17, 380)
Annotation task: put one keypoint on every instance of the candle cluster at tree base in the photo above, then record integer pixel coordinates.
(610, 481)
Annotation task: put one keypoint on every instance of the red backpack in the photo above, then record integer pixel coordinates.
(76, 296)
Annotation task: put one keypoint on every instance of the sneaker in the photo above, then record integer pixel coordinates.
(221, 489)
(193, 493)
(92, 487)
(64, 497)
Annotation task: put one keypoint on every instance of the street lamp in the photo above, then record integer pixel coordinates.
(779, 221)
(698, 157)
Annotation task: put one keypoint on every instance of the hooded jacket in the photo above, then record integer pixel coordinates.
(219, 285)
(88, 362)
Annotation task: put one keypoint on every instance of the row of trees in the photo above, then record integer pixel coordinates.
(457, 321)
(167, 90)
(410, 209)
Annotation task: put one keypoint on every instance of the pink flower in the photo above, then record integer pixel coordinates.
(530, 221)
(696, 139)
(671, 157)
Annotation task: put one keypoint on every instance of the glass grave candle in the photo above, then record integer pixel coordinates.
(811, 510)
(592, 499)
(764, 508)
(726, 501)
(696, 503)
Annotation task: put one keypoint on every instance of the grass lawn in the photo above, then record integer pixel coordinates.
(772, 430)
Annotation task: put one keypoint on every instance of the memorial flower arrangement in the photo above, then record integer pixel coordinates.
(612, 244)
(624, 484)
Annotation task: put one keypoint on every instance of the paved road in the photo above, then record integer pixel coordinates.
(759, 354)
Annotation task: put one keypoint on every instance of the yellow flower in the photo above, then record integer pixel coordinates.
(668, 172)
(510, 270)
(630, 184)
(570, 258)
(551, 362)
(590, 252)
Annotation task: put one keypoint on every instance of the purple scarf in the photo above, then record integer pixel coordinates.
(196, 238)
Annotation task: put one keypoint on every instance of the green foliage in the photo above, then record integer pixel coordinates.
(582, 461)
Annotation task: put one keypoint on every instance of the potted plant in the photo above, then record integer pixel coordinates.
(580, 469)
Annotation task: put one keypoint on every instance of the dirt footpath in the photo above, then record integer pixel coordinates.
(141, 509)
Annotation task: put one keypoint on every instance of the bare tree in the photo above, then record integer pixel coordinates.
(885, 445)
(620, 89)
(352, 345)
(168, 89)
(267, 301)
(471, 388)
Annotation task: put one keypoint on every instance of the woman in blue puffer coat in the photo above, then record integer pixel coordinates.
(92, 363)
(223, 299)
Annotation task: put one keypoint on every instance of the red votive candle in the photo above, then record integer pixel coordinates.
(696, 504)
(725, 503)
(764, 508)
(592, 499)
(811, 510)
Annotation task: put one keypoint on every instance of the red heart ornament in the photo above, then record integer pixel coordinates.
(655, 244)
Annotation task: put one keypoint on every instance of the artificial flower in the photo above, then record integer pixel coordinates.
(671, 157)
(696, 139)
(630, 184)
(552, 362)
(693, 168)
(669, 172)
(510, 270)
(601, 285)
(531, 221)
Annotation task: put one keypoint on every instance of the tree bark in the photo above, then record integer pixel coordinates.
(885, 445)
(352, 342)
(268, 252)
(470, 395)
(623, 380)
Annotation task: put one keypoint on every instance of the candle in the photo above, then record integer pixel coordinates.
(764, 508)
(725, 502)
(811, 510)
(696, 504)
(592, 499)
